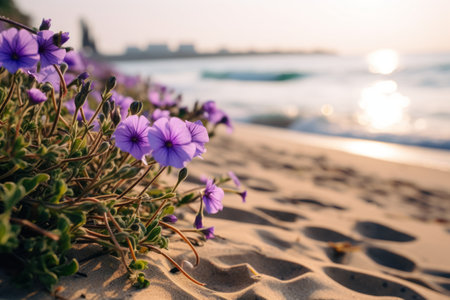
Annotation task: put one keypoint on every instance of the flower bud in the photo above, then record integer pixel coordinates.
(83, 76)
(47, 87)
(115, 116)
(36, 96)
(63, 67)
(45, 25)
(103, 147)
(170, 219)
(60, 38)
(111, 83)
(136, 107)
(85, 89)
(81, 97)
(106, 108)
(198, 222)
(79, 100)
(101, 118)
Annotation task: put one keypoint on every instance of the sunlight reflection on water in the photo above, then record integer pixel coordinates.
(383, 61)
(383, 108)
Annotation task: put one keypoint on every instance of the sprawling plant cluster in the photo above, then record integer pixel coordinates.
(80, 159)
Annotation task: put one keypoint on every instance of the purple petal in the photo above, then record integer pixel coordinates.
(234, 178)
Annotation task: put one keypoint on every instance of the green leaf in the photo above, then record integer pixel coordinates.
(48, 279)
(154, 234)
(168, 210)
(186, 199)
(151, 226)
(138, 264)
(50, 259)
(31, 184)
(67, 269)
(59, 189)
(77, 217)
(164, 242)
(11, 194)
(63, 223)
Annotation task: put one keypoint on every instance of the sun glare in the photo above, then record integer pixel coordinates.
(382, 106)
(383, 61)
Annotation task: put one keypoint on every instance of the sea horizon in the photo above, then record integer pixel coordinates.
(332, 95)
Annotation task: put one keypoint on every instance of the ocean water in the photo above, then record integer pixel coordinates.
(403, 99)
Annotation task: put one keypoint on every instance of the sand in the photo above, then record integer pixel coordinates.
(318, 224)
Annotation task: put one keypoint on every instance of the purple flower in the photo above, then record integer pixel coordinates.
(74, 61)
(208, 232)
(18, 49)
(212, 197)
(36, 96)
(216, 115)
(198, 222)
(204, 178)
(160, 97)
(234, 178)
(50, 53)
(170, 219)
(170, 141)
(131, 136)
(243, 195)
(158, 114)
(47, 74)
(45, 25)
(199, 136)
(122, 102)
(128, 81)
(60, 38)
(83, 76)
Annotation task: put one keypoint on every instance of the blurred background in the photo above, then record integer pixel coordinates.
(367, 69)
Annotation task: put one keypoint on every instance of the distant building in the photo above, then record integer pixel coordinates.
(131, 50)
(186, 49)
(223, 51)
(87, 42)
(158, 49)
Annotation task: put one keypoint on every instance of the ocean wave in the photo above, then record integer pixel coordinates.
(323, 126)
(254, 76)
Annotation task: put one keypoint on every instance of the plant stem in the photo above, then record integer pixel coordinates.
(174, 263)
(197, 258)
(7, 20)
(58, 112)
(62, 82)
(136, 182)
(10, 92)
(113, 238)
(120, 230)
(156, 213)
(151, 181)
(36, 228)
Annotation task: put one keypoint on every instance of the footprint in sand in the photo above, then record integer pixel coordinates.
(437, 273)
(326, 235)
(281, 215)
(381, 232)
(443, 277)
(371, 285)
(278, 268)
(315, 204)
(258, 184)
(390, 259)
(242, 216)
(273, 240)
(224, 279)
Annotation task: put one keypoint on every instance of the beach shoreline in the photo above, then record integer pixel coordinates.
(318, 223)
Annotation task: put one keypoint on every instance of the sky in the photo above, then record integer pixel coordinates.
(344, 26)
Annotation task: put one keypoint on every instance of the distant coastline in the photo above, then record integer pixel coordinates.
(178, 55)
